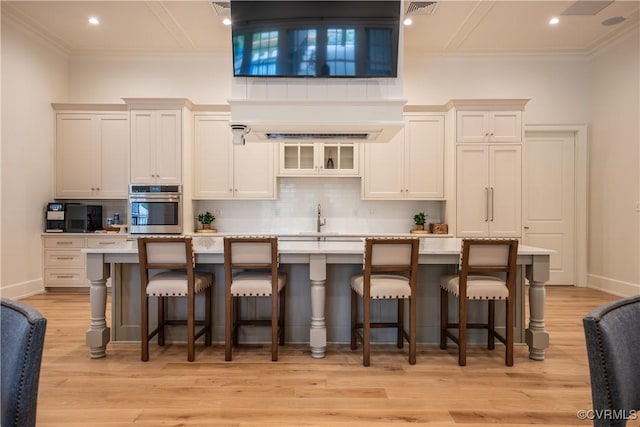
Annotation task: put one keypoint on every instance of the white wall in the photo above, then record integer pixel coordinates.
(614, 225)
(33, 75)
(557, 85)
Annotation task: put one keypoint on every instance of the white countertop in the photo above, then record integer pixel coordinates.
(337, 244)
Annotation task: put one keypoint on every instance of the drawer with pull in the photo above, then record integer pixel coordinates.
(62, 258)
(66, 277)
(95, 242)
(64, 242)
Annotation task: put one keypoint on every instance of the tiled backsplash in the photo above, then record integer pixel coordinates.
(296, 210)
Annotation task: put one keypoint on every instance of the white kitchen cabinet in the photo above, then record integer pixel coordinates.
(223, 170)
(64, 264)
(489, 190)
(92, 155)
(314, 159)
(489, 126)
(411, 165)
(156, 146)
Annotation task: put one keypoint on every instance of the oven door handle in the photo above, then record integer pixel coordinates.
(153, 197)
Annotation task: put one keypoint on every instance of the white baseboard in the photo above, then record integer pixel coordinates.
(22, 290)
(613, 286)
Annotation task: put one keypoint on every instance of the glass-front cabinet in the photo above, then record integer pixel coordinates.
(312, 159)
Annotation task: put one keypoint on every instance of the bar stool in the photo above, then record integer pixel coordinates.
(251, 270)
(390, 272)
(178, 278)
(487, 272)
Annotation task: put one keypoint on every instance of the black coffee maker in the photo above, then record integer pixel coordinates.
(55, 218)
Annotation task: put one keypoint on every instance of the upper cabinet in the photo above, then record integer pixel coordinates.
(317, 159)
(92, 152)
(489, 126)
(411, 165)
(223, 170)
(156, 146)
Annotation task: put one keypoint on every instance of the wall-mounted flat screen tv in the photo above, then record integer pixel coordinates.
(356, 39)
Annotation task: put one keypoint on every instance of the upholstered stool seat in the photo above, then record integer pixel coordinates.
(478, 287)
(390, 272)
(255, 284)
(174, 283)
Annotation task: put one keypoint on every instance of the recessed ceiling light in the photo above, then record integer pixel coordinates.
(226, 21)
(407, 21)
(554, 21)
(613, 21)
(94, 21)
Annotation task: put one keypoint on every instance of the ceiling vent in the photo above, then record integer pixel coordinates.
(586, 7)
(222, 8)
(421, 8)
(316, 132)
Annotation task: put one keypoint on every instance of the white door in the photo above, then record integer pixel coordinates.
(549, 201)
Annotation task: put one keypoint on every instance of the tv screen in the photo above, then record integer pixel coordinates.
(357, 39)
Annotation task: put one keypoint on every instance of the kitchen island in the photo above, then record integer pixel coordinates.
(317, 254)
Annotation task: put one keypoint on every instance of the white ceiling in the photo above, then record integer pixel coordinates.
(453, 27)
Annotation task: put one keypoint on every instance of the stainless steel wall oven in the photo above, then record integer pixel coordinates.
(155, 209)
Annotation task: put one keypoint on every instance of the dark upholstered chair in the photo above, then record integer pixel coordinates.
(612, 333)
(487, 272)
(390, 272)
(20, 359)
(167, 270)
(251, 270)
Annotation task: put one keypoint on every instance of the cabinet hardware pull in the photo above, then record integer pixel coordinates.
(491, 204)
(64, 243)
(64, 276)
(486, 207)
(106, 243)
(64, 258)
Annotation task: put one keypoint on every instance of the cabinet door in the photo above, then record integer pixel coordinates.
(472, 191)
(424, 157)
(168, 147)
(505, 191)
(143, 152)
(472, 126)
(505, 126)
(254, 171)
(383, 174)
(213, 170)
(113, 151)
(339, 159)
(75, 156)
(297, 159)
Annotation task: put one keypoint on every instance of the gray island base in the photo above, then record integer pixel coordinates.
(318, 287)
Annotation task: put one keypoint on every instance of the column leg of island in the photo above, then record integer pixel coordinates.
(318, 278)
(536, 336)
(98, 334)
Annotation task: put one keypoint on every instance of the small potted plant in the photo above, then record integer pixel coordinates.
(420, 218)
(206, 219)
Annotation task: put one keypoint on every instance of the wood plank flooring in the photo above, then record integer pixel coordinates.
(119, 390)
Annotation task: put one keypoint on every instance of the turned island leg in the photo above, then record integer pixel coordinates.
(318, 332)
(536, 336)
(98, 334)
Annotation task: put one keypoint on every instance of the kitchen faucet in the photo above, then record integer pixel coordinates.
(320, 222)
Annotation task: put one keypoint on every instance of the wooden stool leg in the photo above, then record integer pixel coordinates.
(509, 332)
(491, 325)
(144, 329)
(161, 310)
(462, 332)
(191, 346)
(412, 329)
(366, 331)
(274, 327)
(228, 325)
(236, 319)
(354, 319)
(400, 322)
(208, 316)
(282, 316)
(444, 317)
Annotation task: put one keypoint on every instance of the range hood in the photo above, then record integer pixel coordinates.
(316, 121)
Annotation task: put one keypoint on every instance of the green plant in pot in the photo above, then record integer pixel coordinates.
(206, 219)
(420, 218)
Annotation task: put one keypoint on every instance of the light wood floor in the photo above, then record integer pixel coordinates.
(119, 390)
